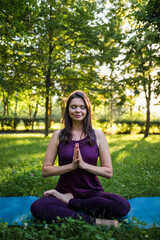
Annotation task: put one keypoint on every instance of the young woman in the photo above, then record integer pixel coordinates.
(79, 192)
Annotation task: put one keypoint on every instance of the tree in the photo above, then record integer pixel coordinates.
(151, 16)
(141, 58)
(112, 34)
(45, 41)
(64, 38)
(15, 26)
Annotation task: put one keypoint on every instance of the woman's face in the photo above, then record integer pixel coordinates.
(77, 109)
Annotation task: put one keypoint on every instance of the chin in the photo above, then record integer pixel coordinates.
(78, 119)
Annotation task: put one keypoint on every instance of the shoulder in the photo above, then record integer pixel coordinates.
(56, 133)
(55, 136)
(100, 137)
(99, 133)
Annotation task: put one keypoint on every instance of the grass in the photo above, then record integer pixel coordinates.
(136, 173)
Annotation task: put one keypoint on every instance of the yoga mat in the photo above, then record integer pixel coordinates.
(144, 213)
(16, 210)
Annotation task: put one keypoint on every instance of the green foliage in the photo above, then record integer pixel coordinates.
(25, 183)
(151, 16)
(74, 230)
(10, 122)
(54, 47)
(141, 56)
(27, 122)
(127, 126)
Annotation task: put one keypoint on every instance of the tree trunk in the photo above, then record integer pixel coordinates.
(148, 99)
(46, 104)
(34, 115)
(16, 100)
(62, 108)
(49, 114)
(30, 111)
(5, 102)
(111, 113)
(131, 106)
(94, 114)
(48, 78)
(147, 118)
(131, 109)
(6, 111)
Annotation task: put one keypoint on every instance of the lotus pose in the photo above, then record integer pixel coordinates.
(78, 191)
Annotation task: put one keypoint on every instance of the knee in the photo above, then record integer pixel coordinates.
(34, 208)
(124, 208)
(37, 209)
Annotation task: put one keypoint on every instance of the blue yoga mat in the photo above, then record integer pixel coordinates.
(16, 210)
(145, 211)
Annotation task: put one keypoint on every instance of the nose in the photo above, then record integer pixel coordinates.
(78, 109)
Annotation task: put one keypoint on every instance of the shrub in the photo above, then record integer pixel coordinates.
(128, 126)
(10, 122)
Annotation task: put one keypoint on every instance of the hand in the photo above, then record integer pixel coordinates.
(80, 162)
(75, 156)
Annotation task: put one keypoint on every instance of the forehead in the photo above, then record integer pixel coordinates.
(77, 101)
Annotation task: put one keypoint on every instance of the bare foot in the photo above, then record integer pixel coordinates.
(63, 197)
(107, 222)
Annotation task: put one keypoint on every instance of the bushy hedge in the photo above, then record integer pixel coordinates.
(120, 126)
(12, 123)
(129, 126)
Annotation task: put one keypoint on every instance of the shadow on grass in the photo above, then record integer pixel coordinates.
(21, 151)
(136, 169)
(135, 162)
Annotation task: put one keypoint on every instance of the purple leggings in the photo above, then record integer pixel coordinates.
(94, 205)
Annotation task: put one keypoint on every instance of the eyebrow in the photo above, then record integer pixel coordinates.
(78, 105)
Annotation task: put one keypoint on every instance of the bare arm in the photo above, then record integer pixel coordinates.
(106, 169)
(48, 168)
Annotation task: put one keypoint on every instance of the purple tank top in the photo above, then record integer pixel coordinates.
(78, 182)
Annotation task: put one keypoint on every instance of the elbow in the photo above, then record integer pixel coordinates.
(110, 174)
(44, 174)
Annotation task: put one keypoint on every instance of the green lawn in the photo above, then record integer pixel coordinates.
(136, 163)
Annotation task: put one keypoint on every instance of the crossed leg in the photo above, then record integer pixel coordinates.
(97, 208)
(49, 208)
(102, 205)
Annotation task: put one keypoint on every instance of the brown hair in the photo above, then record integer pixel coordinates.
(65, 134)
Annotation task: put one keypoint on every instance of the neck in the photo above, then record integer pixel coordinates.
(77, 126)
(77, 130)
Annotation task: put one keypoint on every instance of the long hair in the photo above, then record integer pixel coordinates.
(65, 135)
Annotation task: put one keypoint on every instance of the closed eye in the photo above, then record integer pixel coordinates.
(83, 107)
(74, 106)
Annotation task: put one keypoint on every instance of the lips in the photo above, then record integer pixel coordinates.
(77, 116)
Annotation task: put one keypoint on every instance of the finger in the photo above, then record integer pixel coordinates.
(80, 153)
(77, 152)
(77, 146)
(74, 153)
